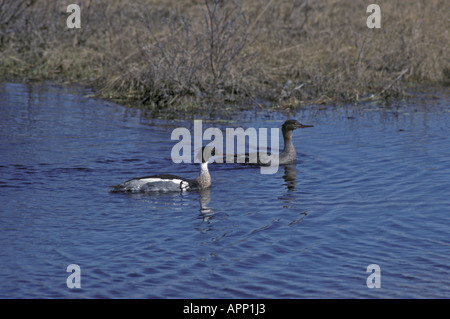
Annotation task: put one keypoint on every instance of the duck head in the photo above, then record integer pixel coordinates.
(291, 125)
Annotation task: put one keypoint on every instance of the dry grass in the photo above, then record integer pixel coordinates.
(170, 54)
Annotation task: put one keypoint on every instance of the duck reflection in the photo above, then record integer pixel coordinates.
(290, 178)
(204, 198)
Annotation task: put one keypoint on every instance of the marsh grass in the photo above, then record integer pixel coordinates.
(177, 56)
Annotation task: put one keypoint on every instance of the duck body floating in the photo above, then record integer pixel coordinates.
(168, 182)
(287, 156)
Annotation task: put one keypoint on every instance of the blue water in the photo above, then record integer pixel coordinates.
(371, 186)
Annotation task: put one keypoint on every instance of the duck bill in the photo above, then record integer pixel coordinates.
(299, 125)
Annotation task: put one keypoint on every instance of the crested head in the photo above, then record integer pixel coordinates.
(292, 124)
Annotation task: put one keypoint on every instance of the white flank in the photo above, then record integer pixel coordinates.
(175, 183)
(154, 180)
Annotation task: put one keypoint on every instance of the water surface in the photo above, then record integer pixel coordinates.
(371, 186)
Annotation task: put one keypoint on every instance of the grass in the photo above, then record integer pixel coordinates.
(173, 56)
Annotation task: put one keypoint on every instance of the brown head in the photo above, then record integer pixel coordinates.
(291, 125)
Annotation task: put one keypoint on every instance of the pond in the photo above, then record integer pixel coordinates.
(371, 186)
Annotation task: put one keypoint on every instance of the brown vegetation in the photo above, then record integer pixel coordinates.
(173, 55)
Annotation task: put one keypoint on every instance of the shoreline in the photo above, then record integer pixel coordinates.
(204, 55)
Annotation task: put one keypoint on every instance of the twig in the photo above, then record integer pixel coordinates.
(395, 80)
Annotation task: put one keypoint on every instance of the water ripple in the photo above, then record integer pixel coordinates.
(369, 187)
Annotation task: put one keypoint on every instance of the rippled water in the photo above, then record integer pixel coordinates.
(371, 186)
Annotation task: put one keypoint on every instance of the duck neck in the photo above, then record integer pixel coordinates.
(204, 169)
(288, 145)
(204, 179)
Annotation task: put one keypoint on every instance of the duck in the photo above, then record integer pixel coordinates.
(168, 182)
(287, 156)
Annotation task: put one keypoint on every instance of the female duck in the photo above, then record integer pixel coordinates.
(170, 183)
(287, 156)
